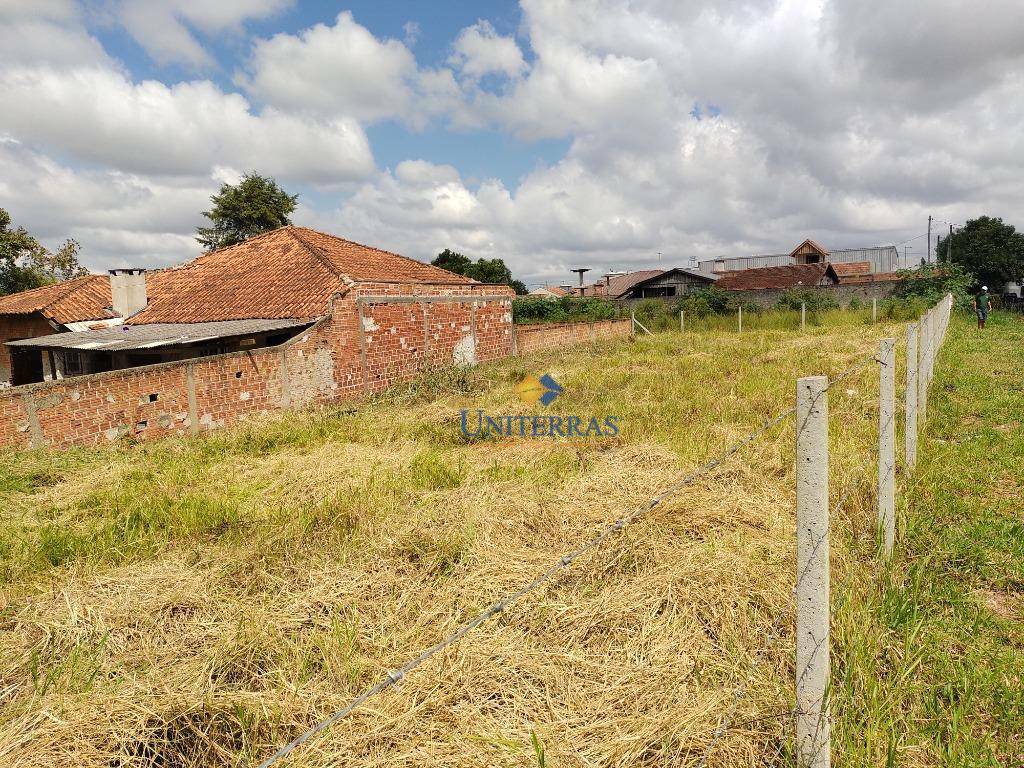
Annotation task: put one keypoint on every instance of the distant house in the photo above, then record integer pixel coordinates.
(881, 259)
(668, 284)
(649, 283)
(549, 292)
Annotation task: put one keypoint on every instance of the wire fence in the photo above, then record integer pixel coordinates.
(935, 320)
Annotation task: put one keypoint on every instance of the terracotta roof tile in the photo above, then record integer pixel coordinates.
(288, 273)
(762, 278)
(852, 268)
(83, 298)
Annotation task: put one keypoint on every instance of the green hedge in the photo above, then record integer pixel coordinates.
(537, 309)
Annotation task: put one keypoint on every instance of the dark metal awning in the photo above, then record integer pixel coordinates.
(154, 335)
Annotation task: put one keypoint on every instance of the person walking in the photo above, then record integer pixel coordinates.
(982, 306)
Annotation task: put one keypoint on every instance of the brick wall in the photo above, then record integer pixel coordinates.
(374, 336)
(18, 327)
(530, 338)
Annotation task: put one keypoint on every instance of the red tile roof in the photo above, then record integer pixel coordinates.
(789, 276)
(877, 277)
(290, 272)
(83, 298)
(852, 268)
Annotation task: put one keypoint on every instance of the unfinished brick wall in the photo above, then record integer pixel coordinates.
(531, 338)
(375, 336)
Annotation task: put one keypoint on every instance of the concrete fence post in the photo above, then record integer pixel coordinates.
(739, 317)
(813, 732)
(682, 321)
(922, 371)
(910, 402)
(803, 316)
(887, 443)
(632, 323)
(874, 310)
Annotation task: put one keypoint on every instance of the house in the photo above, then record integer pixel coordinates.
(669, 283)
(247, 296)
(287, 319)
(648, 283)
(549, 292)
(882, 259)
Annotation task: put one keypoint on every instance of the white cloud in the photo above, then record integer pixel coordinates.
(99, 116)
(164, 28)
(338, 69)
(479, 50)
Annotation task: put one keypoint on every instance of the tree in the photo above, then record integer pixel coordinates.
(492, 271)
(987, 248)
(25, 263)
(253, 206)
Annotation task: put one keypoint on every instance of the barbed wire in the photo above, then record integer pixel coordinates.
(394, 677)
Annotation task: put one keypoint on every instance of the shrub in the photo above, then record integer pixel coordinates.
(816, 300)
(568, 309)
(930, 282)
(709, 301)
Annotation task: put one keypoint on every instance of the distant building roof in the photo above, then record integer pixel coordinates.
(852, 269)
(552, 290)
(809, 244)
(83, 298)
(789, 276)
(620, 285)
(128, 337)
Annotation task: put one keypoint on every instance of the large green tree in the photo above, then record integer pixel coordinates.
(492, 271)
(251, 207)
(25, 263)
(987, 248)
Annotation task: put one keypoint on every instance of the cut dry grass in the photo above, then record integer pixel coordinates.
(198, 602)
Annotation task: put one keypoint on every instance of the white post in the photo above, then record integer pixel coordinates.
(910, 402)
(887, 443)
(874, 310)
(813, 734)
(803, 316)
(682, 322)
(740, 317)
(632, 323)
(922, 372)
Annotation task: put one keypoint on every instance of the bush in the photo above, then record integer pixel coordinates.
(708, 301)
(930, 282)
(854, 304)
(568, 309)
(816, 300)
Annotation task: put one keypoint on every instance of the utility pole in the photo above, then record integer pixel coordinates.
(928, 253)
(949, 250)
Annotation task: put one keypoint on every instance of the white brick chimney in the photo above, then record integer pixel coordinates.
(128, 289)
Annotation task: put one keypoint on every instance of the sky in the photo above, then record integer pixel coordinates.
(554, 134)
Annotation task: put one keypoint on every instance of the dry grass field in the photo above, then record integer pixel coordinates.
(200, 602)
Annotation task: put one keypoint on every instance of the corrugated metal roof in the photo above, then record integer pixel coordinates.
(127, 337)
